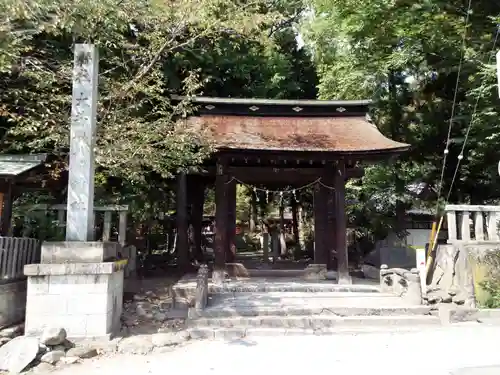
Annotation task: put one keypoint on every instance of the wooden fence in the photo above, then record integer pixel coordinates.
(472, 223)
(15, 252)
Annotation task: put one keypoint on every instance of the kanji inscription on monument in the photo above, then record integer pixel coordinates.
(80, 217)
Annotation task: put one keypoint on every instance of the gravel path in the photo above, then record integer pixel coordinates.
(443, 351)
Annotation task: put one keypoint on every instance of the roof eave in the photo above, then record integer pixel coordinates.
(253, 101)
(395, 150)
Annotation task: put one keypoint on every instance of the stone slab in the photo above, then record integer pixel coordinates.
(18, 353)
(79, 252)
(314, 322)
(74, 268)
(211, 333)
(464, 314)
(486, 370)
(275, 285)
(340, 311)
(12, 302)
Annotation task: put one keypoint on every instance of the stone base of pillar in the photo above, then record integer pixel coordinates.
(79, 287)
(315, 272)
(218, 277)
(83, 298)
(236, 270)
(80, 252)
(344, 279)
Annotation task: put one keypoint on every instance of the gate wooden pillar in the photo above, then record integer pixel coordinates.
(6, 201)
(341, 225)
(182, 221)
(221, 221)
(331, 240)
(320, 224)
(231, 226)
(197, 203)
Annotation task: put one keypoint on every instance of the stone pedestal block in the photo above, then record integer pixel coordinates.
(79, 252)
(83, 298)
(315, 272)
(236, 270)
(130, 253)
(401, 282)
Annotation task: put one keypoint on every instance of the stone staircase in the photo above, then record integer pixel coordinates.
(248, 308)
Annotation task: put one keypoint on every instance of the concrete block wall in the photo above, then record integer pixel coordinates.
(86, 305)
(12, 302)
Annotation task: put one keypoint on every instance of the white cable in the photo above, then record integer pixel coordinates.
(446, 151)
(471, 123)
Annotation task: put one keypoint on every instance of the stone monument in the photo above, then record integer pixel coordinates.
(79, 283)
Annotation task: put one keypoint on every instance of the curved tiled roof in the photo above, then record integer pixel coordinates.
(346, 134)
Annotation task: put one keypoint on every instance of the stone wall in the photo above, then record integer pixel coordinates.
(484, 262)
(392, 256)
(459, 271)
(12, 302)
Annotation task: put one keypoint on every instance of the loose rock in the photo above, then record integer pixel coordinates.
(169, 338)
(52, 336)
(160, 317)
(69, 360)
(82, 352)
(59, 348)
(18, 353)
(12, 332)
(135, 345)
(44, 367)
(52, 357)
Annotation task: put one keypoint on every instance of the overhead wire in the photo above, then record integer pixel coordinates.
(434, 236)
(473, 118)
(435, 225)
(450, 126)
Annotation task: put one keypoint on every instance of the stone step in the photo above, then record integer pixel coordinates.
(209, 332)
(307, 310)
(314, 322)
(300, 300)
(294, 295)
(302, 287)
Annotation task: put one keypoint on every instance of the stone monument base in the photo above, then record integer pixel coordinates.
(80, 252)
(83, 298)
(315, 272)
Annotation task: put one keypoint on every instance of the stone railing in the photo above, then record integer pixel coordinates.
(468, 223)
(107, 223)
(16, 252)
(401, 282)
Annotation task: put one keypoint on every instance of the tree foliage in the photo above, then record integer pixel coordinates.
(406, 56)
(137, 40)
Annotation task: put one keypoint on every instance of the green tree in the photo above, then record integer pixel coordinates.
(406, 56)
